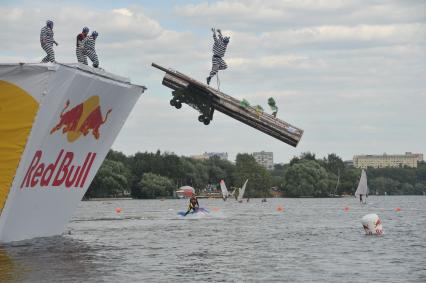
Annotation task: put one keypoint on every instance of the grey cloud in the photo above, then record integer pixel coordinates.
(351, 74)
(276, 15)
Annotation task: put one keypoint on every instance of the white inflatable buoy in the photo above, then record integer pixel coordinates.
(372, 224)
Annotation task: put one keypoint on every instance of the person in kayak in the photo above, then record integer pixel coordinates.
(193, 204)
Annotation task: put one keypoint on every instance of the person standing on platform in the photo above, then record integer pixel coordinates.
(47, 41)
(219, 48)
(89, 48)
(79, 50)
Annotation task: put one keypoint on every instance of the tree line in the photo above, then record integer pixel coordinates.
(158, 175)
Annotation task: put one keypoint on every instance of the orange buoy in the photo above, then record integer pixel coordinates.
(117, 209)
(280, 208)
(398, 209)
(346, 209)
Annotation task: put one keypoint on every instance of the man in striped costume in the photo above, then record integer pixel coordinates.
(219, 48)
(79, 51)
(89, 49)
(46, 41)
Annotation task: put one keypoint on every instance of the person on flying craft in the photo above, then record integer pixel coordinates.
(193, 204)
(219, 49)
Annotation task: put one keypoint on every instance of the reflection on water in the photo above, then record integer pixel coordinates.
(8, 270)
(310, 240)
(44, 259)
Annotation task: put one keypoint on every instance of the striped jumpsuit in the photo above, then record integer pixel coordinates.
(79, 49)
(89, 50)
(219, 48)
(46, 41)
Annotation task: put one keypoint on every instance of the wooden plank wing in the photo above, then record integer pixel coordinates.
(205, 99)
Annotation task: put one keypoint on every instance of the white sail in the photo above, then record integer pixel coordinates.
(362, 185)
(241, 192)
(224, 190)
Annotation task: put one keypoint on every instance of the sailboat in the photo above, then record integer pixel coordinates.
(232, 194)
(225, 193)
(362, 189)
(241, 192)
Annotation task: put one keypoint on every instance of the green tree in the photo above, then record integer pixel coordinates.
(407, 189)
(336, 169)
(219, 169)
(307, 178)
(421, 172)
(420, 188)
(120, 174)
(112, 180)
(172, 166)
(260, 179)
(349, 181)
(384, 184)
(118, 156)
(152, 186)
(334, 164)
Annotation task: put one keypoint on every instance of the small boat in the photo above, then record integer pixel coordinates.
(362, 189)
(225, 193)
(241, 192)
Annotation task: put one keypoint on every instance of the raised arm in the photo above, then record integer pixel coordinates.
(214, 34)
(220, 34)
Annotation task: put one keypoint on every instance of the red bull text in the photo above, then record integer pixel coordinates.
(63, 172)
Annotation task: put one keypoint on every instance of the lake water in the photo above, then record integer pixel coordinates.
(312, 240)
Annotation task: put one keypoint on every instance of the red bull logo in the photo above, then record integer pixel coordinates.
(81, 119)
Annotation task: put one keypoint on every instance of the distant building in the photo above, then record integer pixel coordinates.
(199, 157)
(266, 159)
(207, 155)
(388, 160)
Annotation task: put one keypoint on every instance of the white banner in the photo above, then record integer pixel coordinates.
(80, 115)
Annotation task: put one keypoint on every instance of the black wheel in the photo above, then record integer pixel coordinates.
(172, 102)
(201, 118)
(206, 121)
(178, 105)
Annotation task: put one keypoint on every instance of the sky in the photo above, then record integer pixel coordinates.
(351, 74)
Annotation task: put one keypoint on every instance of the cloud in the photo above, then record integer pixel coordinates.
(126, 29)
(276, 14)
(276, 62)
(373, 34)
(337, 69)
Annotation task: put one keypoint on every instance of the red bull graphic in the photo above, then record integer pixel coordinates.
(64, 171)
(81, 119)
